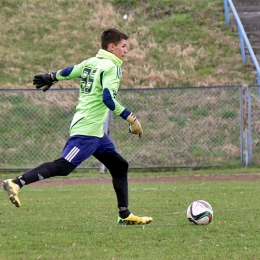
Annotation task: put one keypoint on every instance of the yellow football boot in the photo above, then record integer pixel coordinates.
(12, 190)
(134, 220)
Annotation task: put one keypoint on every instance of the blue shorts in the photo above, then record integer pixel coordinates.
(80, 147)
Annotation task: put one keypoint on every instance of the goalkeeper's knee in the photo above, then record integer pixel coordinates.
(64, 167)
(119, 168)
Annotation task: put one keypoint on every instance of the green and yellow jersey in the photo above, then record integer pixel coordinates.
(100, 80)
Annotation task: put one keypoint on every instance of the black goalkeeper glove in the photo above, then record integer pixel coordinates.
(44, 80)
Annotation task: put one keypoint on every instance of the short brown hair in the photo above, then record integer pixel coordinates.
(111, 35)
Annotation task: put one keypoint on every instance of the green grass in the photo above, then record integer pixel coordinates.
(148, 173)
(79, 222)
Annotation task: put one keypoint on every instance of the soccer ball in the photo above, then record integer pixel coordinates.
(200, 212)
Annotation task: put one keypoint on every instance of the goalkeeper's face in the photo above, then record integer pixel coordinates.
(119, 50)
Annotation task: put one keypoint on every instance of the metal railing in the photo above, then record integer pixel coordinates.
(243, 39)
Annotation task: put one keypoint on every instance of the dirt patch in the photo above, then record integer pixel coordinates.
(174, 178)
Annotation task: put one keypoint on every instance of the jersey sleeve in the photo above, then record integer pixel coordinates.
(70, 72)
(110, 83)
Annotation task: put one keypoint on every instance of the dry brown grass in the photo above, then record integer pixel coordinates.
(36, 39)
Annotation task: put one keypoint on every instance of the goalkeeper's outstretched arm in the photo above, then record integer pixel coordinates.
(46, 80)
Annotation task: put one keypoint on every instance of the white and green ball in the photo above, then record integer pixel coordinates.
(200, 212)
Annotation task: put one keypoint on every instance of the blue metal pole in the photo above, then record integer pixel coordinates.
(242, 45)
(226, 12)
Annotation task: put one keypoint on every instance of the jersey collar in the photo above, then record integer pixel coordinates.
(108, 55)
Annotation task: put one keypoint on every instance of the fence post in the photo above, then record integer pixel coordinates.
(245, 123)
(249, 126)
(241, 125)
(102, 167)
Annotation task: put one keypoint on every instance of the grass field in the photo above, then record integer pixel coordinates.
(79, 222)
(172, 43)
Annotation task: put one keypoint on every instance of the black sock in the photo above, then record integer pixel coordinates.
(18, 181)
(124, 213)
(44, 171)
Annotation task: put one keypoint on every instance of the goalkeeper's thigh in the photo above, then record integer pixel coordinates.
(114, 162)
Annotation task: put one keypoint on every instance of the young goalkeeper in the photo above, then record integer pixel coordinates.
(99, 82)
